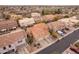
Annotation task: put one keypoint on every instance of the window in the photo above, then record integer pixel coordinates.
(4, 48)
(9, 46)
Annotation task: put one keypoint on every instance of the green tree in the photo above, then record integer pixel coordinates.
(30, 39)
(58, 11)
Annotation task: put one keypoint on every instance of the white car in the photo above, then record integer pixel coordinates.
(60, 32)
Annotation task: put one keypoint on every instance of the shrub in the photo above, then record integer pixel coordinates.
(66, 16)
(54, 34)
(29, 40)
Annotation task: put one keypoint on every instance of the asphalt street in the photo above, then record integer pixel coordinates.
(62, 45)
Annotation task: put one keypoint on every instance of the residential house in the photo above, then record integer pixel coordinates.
(11, 41)
(26, 22)
(57, 26)
(8, 25)
(50, 17)
(70, 22)
(40, 34)
(15, 17)
(37, 17)
(35, 14)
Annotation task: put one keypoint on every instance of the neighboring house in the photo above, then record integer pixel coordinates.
(15, 17)
(69, 21)
(35, 14)
(56, 26)
(37, 17)
(50, 17)
(40, 34)
(26, 22)
(11, 41)
(8, 25)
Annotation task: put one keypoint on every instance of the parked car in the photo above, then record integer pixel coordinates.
(60, 32)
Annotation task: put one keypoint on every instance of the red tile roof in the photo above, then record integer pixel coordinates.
(11, 37)
(39, 30)
(7, 24)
